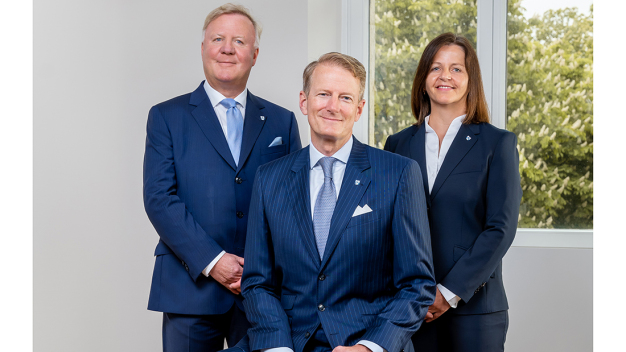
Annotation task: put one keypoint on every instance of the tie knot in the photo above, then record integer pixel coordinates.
(229, 103)
(327, 163)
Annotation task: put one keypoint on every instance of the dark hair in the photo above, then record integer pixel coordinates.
(477, 110)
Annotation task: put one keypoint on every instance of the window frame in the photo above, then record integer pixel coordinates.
(491, 48)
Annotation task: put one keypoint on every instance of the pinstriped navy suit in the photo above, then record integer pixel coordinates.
(375, 281)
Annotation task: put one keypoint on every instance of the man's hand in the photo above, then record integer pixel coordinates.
(355, 348)
(227, 271)
(438, 308)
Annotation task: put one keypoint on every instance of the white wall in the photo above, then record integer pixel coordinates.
(550, 293)
(99, 66)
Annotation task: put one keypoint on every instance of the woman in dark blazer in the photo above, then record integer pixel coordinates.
(472, 183)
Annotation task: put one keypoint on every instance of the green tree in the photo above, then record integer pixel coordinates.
(550, 108)
(403, 29)
(549, 95)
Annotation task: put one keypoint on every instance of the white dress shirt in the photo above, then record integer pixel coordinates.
(220, 110)
(434, 160)
(316, 181)
(316, 175)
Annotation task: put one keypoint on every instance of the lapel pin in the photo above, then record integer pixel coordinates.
(468, 138)
(262, 118)
(357, 182)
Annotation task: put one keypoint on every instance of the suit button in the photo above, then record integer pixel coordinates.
(307, 334)
(322, 277)
(321, 308)
(238, 180)
(240, 214)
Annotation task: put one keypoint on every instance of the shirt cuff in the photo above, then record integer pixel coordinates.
(209, 267)
(371, 345)
(277, 349)
(453, 300)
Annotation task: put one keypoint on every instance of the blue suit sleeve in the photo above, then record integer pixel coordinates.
(172, 221)
(270, 325)
(294, 135)
(413, 272)
(503, 194)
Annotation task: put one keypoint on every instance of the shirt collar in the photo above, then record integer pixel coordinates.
(216, 97)
(455, 125)
(342, 154)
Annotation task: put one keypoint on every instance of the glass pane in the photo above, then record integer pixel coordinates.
(402, 28)
(550, 108)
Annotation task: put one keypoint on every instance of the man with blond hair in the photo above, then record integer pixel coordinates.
(202, 152)
(338, 247)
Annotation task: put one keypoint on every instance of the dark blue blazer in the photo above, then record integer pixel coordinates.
(473, 210)
(197, 199)
(375, 281)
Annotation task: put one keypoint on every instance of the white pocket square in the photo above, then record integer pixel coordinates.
(360, 211)
(276, 141)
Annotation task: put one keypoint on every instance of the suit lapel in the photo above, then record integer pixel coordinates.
(459, 148)
(299, 190)
(251, 129)
(210, 126)
(349, 196)
(418, 153)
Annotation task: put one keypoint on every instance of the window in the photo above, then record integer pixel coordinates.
(550, 108)
(402, 31)
(537, 64)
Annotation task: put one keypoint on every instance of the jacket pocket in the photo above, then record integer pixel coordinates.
(286, 301)
(161, 249)
(368, 319)
(470, 167)
(363, 219)
(458, 252)
(275, 149)
(272, 153)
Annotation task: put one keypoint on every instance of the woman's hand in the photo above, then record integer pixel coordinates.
(438, 308)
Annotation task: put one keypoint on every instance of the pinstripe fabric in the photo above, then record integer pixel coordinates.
(375, 279)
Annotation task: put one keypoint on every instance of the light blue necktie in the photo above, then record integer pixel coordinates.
(325, 205)
(234, 124)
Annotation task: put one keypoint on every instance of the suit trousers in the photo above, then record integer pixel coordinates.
(205, 333)
(463, 333)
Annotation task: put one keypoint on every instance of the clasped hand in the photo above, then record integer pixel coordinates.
(438, 308)
(227, 271)
(355, 348)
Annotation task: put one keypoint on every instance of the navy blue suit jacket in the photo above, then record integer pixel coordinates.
(198, 199)
(375, 281)
(473, 210)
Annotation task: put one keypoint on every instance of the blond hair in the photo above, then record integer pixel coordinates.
(346, 62)
(228, 9)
